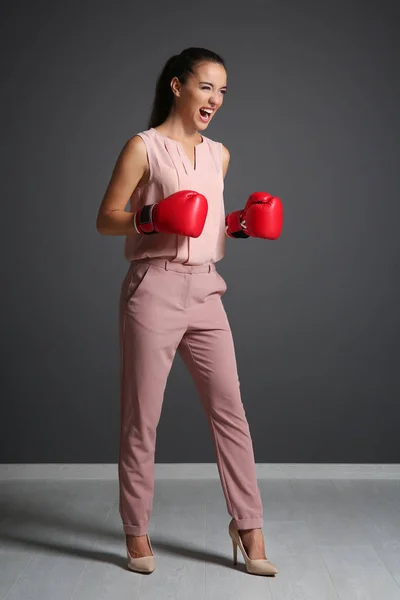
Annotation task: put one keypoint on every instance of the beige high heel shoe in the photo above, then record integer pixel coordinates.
(258, 566)
(143, 564)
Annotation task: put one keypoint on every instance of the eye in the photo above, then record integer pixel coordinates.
(207, 87)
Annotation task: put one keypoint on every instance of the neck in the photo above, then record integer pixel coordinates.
(176, 129)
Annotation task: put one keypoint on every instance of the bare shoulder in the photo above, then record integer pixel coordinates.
(225, 159)
(130, 170)
(134, 153)
(136, 145)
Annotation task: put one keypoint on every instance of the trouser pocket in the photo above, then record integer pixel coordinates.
(135, 277)
(222, 283)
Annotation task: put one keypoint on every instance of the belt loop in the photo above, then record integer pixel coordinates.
(209, 268)
(166, 265)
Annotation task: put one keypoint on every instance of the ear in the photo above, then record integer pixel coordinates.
(176, 86)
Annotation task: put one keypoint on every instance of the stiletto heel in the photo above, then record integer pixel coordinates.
(234, 552)
(259, 566)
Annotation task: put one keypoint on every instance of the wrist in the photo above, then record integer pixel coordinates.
(143, 220)
(235, 224)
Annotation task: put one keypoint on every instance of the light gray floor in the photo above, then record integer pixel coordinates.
(330, 538)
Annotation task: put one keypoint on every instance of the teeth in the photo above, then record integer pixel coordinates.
(206, 111)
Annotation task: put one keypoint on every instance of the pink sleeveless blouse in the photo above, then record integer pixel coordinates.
(170, 171)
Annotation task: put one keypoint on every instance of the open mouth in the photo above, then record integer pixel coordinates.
(205, 115)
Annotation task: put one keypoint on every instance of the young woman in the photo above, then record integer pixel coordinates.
(173, 177)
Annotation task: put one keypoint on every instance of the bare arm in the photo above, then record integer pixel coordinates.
(131, 165)
(225, 164)
(225, 159)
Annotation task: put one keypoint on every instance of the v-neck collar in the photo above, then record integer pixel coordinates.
(187, 158)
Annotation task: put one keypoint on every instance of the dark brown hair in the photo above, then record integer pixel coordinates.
(180, 66)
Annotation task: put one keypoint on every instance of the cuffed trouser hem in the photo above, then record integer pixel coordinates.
(249, 523)
(135, 529)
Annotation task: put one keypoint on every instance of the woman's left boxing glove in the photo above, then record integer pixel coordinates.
(262, 217)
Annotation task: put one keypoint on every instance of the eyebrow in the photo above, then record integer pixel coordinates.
(209, 83)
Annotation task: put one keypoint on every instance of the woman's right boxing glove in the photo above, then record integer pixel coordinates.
(184, 212)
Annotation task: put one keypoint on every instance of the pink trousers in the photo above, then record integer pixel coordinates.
(165, 307)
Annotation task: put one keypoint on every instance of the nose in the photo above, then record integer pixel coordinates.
(213, 101)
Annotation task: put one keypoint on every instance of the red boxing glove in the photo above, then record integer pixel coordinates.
(183, 212)
(261, 218)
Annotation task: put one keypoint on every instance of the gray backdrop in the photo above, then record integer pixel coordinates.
(311, 115)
